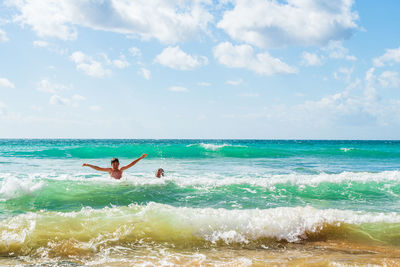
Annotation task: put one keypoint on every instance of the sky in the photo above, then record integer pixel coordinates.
(207, 69)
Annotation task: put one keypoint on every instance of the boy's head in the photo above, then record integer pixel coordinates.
(159, 173)
(115, 163)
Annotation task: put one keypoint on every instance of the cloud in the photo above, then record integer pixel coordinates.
(6, 83)
(47, 86)
(249, 95)
(88, 65)
(235, 82)
(336, 50)
(343, 74)
(120, 63)
(78, 97)
(270, 23)
(62, 101)
(242, 56)
(58, 100)
(134, 51)
(205, 84)
(370, 92)
(178, 89)
(359, 106)
(165, 20)
(348, 108)
(145, 73)
(52, 47)
(389, 79)
(95, 108)
(175, 58)
(40, 43)
(391, 56)
(310, 59)
(3, 36)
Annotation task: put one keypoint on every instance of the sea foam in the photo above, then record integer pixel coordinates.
(12, 187)
(162, 223)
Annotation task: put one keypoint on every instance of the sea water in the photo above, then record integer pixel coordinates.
(221, 202)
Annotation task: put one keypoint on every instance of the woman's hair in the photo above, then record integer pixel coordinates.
(114, 160)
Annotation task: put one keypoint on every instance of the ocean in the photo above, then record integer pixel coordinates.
(221, 203)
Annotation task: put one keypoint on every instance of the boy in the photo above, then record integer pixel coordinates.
(114, 171)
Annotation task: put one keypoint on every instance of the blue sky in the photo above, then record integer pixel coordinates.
(265, 69)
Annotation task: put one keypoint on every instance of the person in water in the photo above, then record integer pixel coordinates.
(160, 173)
(115, 172)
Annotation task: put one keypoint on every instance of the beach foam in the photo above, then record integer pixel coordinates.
(210, 179)
(91, 230)
(12, 187)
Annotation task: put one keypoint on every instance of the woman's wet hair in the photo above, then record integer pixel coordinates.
(159, 172)
(114, 160)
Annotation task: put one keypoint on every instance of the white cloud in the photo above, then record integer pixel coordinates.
(391, 56)
(178, 89)
(97, 67)
(3, 36)
(310, 59)
(270, 23)
(343, 74)
(95, 108)
(348, 108)
(165, 20)
(88, 65)
(40, 43)
(359, 107)
(389, 79)
(120, 63)
(77, 97)
(63, 101)
(52, 47)
(249, 95)
(145, 73)
(336, 50)
(242, 56)
(58, 100)
(235, 82)
(370, 92)
(175, 58)
(205, 84)
(135, 51)
(6, 83)
(47, 86)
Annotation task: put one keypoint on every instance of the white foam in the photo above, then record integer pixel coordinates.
(214, 147)
(345, 149)
(12, 187)
(242, 226)
(268, 180)
(165, 223)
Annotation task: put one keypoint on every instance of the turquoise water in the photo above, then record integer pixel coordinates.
(228, 193)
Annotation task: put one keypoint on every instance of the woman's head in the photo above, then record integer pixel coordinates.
(159, 173)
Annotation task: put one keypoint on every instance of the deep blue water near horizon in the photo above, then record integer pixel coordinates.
(215, 193)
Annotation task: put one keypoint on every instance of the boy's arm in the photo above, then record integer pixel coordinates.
(133, 162)
(96, 167)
